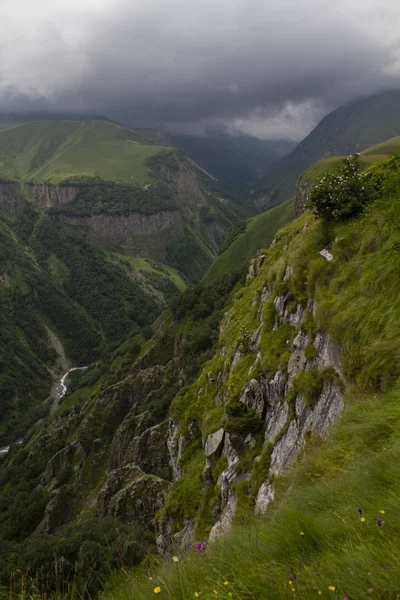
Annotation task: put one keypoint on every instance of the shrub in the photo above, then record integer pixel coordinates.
(342, 194)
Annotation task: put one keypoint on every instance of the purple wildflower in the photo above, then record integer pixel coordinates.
(200, 546)
(379, 522)
(360, 511)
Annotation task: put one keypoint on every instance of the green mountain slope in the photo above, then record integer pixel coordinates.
(51, 151)
(113, 228)
(265, 408)
(369, 157)
(246, 238)
(350, 128)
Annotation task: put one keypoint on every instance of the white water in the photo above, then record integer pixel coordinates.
(62, 388)
(5, 449)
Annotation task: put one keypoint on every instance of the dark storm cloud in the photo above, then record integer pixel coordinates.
(269, 67)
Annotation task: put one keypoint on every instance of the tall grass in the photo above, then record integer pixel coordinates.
(313, 535)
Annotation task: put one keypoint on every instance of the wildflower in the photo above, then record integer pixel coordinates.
(293, 590)
(379, 522)
(197, 594)
(363, 519)
(319, 593)
(230, 594)
(360, 511)
(215, 592)
(157, 590)
(301, 532)
(226, 582)
(290, 582)
(175, 559)
(381, 512)
(331, 588)
(150, 579)
(200, 546)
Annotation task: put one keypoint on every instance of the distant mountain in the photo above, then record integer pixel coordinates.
(350, 128)
(238, 159)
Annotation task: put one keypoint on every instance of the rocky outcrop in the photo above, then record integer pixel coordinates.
(287, 414)
(47, 195)
(131, 496)
(137, 234)
(303, 189)
(11, 199)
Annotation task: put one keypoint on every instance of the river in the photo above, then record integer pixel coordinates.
(58, 392)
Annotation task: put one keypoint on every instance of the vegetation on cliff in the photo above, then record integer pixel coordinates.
(332, 530)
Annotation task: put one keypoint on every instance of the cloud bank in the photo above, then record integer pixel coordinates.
(272, 68)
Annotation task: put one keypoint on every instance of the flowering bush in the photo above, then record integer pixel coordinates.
(342, 194)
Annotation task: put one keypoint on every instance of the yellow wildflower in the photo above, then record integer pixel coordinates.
(301, 532)
(293, 590)
(290, 581)
(331, 588)
(363, 519)
(175, 558)
(230, 594)
(150, 579)
(381, 512)
(197, 594)
(319, 593)
(226, 582)
(157, 590)
(215, 592)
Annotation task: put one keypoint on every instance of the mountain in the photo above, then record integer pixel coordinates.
(236, 158)
(100, 229)
(350, 128)
(263, 408)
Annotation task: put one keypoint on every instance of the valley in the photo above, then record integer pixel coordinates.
(198, 397)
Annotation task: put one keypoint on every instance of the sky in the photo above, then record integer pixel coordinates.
(271, 68)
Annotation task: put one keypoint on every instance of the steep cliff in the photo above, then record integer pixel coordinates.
(11, 199)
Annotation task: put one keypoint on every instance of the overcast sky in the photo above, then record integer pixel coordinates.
(269, 67)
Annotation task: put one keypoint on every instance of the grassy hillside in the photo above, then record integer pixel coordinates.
(333, 530)
(52, 151)
(350, 128)
(369, 157)
(246, 238)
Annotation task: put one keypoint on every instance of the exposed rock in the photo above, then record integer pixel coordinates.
(303, 189)
(135, 233)
(49, 195)
(214, 444)
(264, 498)
(169, 542)
(150, 451)
(11, 199)
(317, 419)
(131, 496)
(223, 526)
(59, 462)
(252, 395)
(326, 255)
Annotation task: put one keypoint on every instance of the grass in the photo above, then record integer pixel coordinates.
(51, 151)
(259, 233)
(313, 542)
(319, 498)
(369, 157)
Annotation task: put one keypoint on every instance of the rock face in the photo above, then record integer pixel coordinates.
(11, 200)
(137, 234)
(131, 496)
(48, 195)
(303, 189)
(288, 417)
